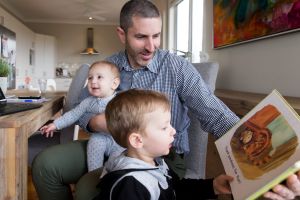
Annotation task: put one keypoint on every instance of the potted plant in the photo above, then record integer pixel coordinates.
(4, 72)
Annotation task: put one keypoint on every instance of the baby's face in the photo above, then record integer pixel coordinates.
(101, 81)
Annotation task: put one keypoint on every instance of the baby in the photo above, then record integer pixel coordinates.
(103, 80)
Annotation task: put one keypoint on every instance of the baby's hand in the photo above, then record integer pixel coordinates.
(221, 184)
(48, 130)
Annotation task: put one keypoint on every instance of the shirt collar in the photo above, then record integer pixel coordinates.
(153, 66)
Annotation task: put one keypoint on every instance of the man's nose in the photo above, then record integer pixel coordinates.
(150, 46)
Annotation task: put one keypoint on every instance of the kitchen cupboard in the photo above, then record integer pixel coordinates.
(63, 84)
(45, 57)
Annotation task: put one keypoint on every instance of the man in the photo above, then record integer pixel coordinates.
(142, 65)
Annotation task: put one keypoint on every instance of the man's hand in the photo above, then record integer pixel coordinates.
(221, 184)
(98, 123)
(288, 191)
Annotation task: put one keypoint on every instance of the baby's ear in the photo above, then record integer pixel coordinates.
(116, 83)
(135, 140)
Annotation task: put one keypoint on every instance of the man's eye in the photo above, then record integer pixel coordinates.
(99, 77)
(139, 36)
(89, 78)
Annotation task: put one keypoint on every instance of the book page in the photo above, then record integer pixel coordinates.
(261, 146)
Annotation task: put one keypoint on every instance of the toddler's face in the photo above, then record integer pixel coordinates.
(159, 133)
(101, 81)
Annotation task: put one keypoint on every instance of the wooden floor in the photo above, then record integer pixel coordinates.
(31, 190)
(32, 195)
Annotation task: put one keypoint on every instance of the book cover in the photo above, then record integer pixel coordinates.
(262, 148)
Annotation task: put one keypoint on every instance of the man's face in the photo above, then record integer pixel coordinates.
(142, 40)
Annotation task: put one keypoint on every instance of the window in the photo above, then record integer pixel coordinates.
(186, 28)
(182, 27)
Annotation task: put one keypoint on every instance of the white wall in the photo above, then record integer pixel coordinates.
(258, 66)
(72, 39)
(24, 41)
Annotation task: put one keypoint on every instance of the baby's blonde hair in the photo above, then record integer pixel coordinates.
(113, 67)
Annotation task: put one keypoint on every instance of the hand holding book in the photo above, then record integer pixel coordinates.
(221, 184)
(262, 150)
(288, 191)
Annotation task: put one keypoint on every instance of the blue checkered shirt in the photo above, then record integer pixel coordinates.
(176, 77)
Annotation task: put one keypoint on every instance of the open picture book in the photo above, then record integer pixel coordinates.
(262, 149)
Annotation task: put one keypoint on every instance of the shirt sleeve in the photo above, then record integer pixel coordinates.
(84, 120)
(215, 117)
(73, 115)
(199, 188)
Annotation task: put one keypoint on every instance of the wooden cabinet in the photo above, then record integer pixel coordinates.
(242, 102)
(45, 57)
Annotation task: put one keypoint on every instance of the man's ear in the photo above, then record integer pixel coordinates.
(122, 35)
(136, 140)
(116, 83)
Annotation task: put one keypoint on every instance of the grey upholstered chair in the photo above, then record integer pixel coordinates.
(195, 160)
(38, 142)
(75, 94)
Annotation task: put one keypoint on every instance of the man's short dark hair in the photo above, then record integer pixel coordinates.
(140, 8)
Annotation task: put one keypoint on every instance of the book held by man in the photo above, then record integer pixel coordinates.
(262, 149)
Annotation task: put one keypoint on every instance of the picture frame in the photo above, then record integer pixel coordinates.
(239, 21)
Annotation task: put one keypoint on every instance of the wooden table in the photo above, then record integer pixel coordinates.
(242, 102)
(14, 132)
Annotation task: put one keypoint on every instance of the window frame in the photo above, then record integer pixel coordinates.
(193, 50)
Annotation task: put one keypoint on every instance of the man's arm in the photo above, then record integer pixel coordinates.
(215, 117)
(97, 123)
(93, 123)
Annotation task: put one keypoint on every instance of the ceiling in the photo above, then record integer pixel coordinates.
(65, 11)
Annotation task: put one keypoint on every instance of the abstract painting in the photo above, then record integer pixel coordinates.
(239, 21)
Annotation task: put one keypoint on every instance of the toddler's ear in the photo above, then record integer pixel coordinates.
(136, 140)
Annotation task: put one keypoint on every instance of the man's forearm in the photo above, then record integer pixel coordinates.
(97, 124)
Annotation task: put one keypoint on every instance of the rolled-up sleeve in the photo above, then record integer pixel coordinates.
(215, 117)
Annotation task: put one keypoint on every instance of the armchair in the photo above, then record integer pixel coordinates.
(195, 160)
(75, 93)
